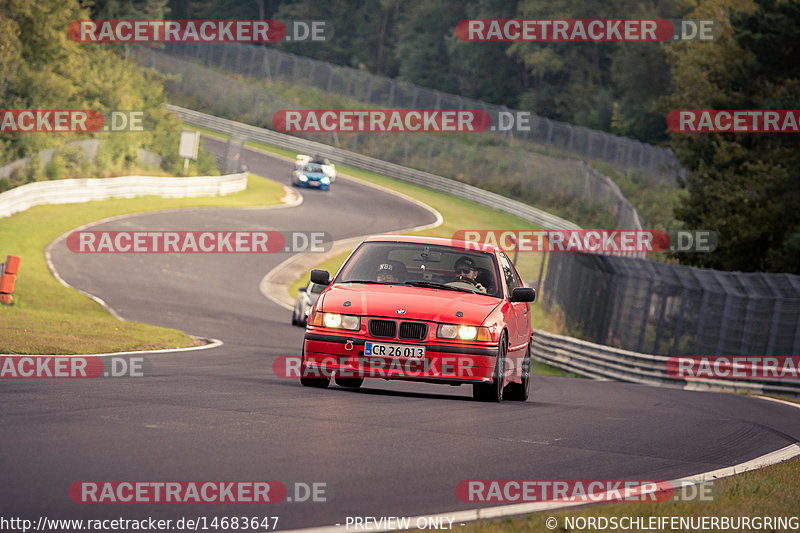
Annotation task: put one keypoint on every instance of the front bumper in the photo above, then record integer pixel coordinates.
(313, 184)
(342, 354)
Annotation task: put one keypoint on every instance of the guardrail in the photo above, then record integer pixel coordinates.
(417, 177)
(85, 190)
(605, 362)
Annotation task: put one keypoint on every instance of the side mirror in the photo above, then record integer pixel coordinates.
(321, 277)
(523, 294)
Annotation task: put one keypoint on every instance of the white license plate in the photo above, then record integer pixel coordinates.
(380, 349)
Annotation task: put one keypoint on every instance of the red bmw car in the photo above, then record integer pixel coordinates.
(422, 309)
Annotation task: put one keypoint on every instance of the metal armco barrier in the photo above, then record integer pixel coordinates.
(345, 157)
(8, 278)
(604, 362)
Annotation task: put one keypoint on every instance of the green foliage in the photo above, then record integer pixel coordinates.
(41, 68)
(68, 161)
(745, 185)
(421, 49)
(608, 86)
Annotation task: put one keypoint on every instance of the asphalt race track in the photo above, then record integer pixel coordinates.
(389, 449)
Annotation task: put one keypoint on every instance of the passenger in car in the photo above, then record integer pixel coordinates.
(391, 272)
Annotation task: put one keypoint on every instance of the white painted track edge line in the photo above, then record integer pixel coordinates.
(471, 515)
(212, 343)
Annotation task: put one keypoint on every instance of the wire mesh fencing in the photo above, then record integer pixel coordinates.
(667, 309)
(658, 164)
(489, 163)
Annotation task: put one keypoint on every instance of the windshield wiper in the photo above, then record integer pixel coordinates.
(368, 281)
(432, 285)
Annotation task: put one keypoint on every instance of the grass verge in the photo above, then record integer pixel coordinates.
(768, 492)
(48, 318)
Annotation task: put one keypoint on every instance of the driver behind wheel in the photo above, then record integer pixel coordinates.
(391, 272)
(467, 271)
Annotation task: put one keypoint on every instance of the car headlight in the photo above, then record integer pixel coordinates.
(336, 321)
(463, 332)
(303, 177)
(326, 180)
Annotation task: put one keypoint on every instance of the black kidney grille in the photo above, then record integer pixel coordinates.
(386, 329)
(413, 330)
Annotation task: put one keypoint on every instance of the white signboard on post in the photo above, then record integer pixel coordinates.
(190, 142)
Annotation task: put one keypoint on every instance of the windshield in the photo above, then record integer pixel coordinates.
(421, 265)
(313, 167)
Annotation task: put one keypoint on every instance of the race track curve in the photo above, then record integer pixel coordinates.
(389, 449)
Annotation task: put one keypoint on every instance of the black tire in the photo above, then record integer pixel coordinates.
(317, 383)
(520, 392)
(294, 319)
(493, 392)
(350, 383)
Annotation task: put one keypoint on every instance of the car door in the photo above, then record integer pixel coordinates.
(518, 318)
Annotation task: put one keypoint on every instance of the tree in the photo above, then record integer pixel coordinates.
(43, 69)
(744, 185)
(602, 85)
(485, 71)
(421, 42)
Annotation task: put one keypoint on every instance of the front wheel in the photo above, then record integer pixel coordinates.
(520, 392)
(493, 392)
(350, 383)
(316, 382)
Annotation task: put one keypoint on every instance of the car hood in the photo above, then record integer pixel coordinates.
(419, 303)
(314, 175)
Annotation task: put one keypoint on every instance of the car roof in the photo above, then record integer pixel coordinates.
(466, 246)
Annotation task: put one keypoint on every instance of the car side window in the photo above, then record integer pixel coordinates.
(512, 279)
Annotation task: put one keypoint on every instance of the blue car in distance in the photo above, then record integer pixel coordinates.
(313, 172)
